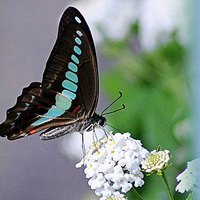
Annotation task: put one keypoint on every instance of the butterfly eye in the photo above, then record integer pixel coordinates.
(101, 122)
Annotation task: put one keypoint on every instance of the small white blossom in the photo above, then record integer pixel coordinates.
(113, 165)
(189, 178)
(156, 162)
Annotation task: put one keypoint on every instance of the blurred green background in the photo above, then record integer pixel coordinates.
(157, 94)
(155, 89)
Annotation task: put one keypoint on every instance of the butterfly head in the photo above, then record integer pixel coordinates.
(100, 120)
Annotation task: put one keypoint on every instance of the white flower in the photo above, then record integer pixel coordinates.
(189, 178)
(156, 162)
(113, 165)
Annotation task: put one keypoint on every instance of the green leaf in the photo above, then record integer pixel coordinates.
(190, 197)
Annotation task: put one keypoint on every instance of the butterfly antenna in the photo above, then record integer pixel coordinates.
(123, 106)
(120, 95)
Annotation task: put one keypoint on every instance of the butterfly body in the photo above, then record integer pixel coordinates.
(79, 126)
(66, 99)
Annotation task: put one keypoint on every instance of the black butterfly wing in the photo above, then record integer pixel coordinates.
(69, 90)
(74, 49)
(31, 105)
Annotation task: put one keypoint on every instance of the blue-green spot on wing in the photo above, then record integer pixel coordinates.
(71, 76)
(69, 89)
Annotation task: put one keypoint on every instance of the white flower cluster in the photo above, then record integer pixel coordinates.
(189, 178)
(113, 164)
(157, 161)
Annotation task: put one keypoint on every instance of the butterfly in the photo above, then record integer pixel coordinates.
(67, 98)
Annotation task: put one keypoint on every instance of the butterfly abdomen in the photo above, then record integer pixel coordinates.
(81, 126)
(55, 132)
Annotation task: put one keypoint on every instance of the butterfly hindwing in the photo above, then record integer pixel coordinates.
(69, 89)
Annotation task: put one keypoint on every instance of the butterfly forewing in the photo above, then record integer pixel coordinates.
(73, 59)
(69, 89)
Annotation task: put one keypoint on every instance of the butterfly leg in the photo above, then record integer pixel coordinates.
(104, 130)
(108, 134)
(94, 135)
(95, 138)
(83, 144)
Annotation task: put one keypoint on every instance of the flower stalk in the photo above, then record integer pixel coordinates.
(136, 194)
(167, 186)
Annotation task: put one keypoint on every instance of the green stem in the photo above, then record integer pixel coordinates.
(167, 186)
(136, 194)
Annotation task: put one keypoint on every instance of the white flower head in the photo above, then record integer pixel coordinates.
(189, 178)
(156, 162)
(113, 165)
